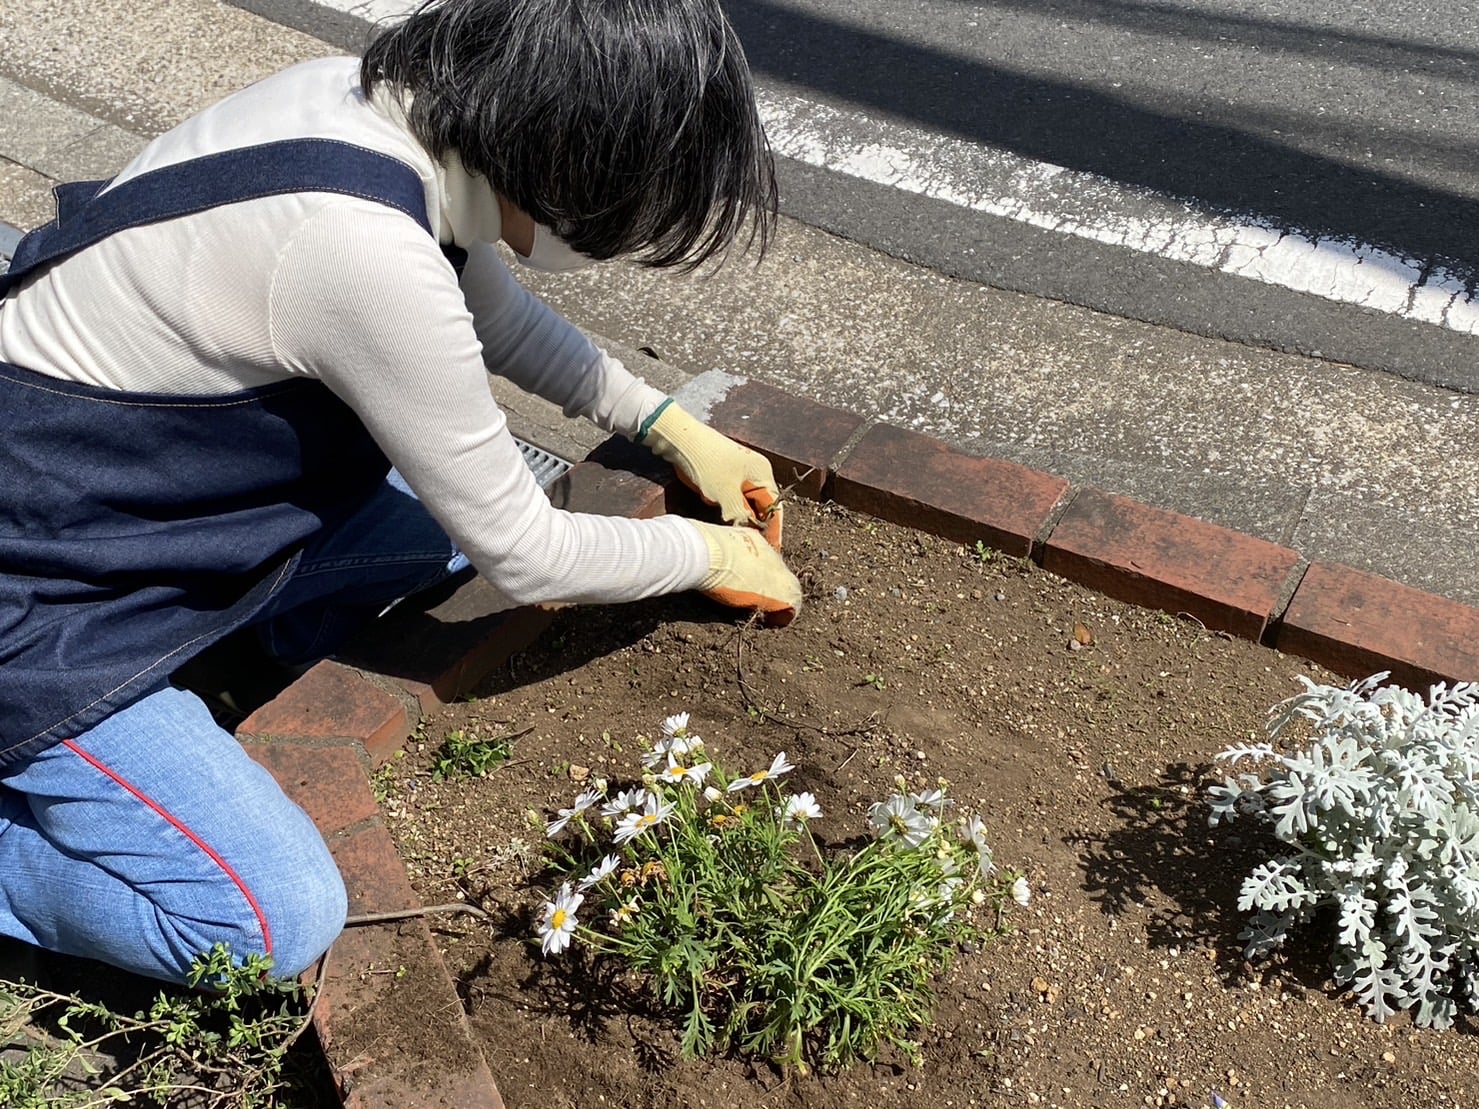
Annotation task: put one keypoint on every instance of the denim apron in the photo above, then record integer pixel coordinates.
(135, 528)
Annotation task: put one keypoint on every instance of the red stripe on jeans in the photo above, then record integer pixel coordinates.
(175, 823)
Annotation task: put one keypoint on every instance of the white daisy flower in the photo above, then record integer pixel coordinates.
(798, 809)
(672, 747)
(601, 870)
(1022, 892)
(623, 913)
(557, 825)
(985, 862)
(584, 801)
(929, 799)
(897, 820)
(677, 724)
(559, 922)
(624, 802)
(633, 824)
(972, 830)
(677, 771)
(778, 766)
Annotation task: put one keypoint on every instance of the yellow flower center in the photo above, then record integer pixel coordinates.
(676, 771)
(557, 921)
(646, 820)
(759, 775)
(899, 825)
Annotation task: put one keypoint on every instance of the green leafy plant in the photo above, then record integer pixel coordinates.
(468, 756)
(713, 886)
(224, 1043)
(384, 780)
(1379, 809)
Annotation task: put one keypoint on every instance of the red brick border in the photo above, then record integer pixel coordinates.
(1147, 556)
(1353, 622)
(800, 437)
(911, 479)
(323, 734)
(1357, 623)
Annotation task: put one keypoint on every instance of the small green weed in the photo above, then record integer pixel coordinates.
(468, 756)
(384, 780)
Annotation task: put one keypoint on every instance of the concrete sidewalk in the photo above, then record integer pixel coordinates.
(1341, 464)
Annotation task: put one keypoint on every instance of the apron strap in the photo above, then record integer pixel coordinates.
(86, 213)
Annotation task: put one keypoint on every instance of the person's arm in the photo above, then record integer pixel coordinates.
(533, 346)
(364, 301)
(537, 349)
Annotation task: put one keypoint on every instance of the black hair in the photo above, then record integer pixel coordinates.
(627, 127)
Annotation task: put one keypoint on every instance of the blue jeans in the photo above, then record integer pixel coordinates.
(150, 838)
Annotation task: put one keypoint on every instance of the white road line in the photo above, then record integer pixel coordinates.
(371, 10)
(1070, 202)
(1092, 207)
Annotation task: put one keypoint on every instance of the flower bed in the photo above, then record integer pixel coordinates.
(1083, 732)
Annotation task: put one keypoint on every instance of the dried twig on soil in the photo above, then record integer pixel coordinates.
(865, 727)
(320, 974)
(424, 910)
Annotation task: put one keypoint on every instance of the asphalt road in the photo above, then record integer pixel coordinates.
(1338, 122)
(1343, 133)
(1350, 119)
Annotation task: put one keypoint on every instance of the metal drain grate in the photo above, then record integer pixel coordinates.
(546, 468)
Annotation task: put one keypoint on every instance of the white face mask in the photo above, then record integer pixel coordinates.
(551, 254)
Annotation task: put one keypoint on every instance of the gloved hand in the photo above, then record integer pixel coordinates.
(736, 479)
(746, 573)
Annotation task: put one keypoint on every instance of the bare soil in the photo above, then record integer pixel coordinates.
(1081, 729)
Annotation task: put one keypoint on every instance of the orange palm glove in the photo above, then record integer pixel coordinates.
(736, 479)
(744, 572)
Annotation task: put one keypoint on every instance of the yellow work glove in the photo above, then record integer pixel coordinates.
(736, 479)
(744, 572)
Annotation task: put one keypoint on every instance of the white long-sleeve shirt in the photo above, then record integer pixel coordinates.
(357, 295)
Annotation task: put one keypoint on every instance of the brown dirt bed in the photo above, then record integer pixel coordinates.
(1121, 985)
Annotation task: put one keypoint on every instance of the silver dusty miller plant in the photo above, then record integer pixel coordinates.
(1380, 809)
